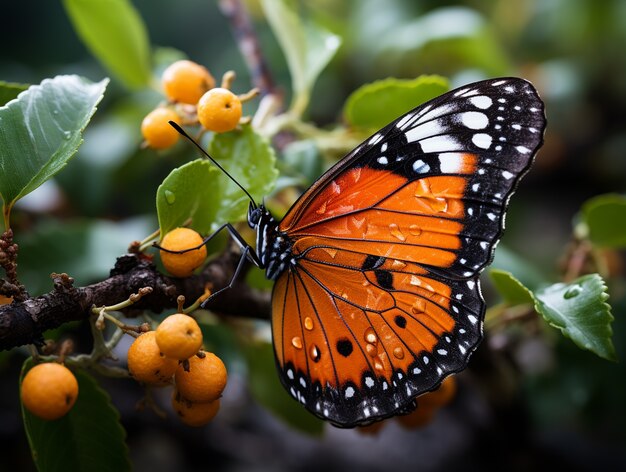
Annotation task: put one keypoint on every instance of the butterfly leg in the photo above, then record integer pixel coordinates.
(247, 253)
(251, 254)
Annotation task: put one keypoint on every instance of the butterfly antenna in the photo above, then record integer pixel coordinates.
(195, 143)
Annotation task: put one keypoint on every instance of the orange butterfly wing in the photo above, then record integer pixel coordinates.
(382, 299)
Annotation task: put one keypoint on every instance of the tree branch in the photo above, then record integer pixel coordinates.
(248, 44)
(24, 322)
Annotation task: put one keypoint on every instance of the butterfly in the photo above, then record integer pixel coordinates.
(377, 297)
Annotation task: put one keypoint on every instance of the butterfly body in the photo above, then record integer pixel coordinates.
(376, 297)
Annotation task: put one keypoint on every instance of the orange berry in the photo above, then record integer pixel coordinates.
(179, 336)
(147, 363)
(441, 396)
(183, 264)
(219, 110)
(49, 390)
(194, 413)
(186, 81)
(418, 418)
(372, 429)
(157, 131)
(204, 381)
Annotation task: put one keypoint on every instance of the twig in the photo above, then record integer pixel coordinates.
(8, 261)
(248, 44)
(23, 322)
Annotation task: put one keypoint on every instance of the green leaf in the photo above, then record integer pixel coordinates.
(89, 438)
(509, 261)
(604, 220)
(269, 392)
(251, 160)
(10, 90)
(376, 104)
(511, 289)
(308, 47)
(116, 35)
(42, 130)
(579, 310)
(189, 192)
(85, 249)
(448, 38)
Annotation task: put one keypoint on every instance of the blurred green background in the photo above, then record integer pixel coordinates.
(528, 401)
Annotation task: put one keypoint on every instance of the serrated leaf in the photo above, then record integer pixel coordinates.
(268, 391)
(89, 438)
(308, 47)
(511, 289)
(189, 192)
(251, 160)
(374, 105)
(604, 218)
(579, 310)
(41, 130)
(10, 90)
(115, 34)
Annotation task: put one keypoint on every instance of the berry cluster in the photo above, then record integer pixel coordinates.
(192, 98)
(174, 351)
(427, 406)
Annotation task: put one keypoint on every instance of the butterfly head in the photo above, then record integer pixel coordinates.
(254, 214)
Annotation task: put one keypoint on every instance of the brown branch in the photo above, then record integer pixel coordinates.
(10, 287)
(248, 44)
(23, 322)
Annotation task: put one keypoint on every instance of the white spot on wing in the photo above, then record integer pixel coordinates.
(481, 101)
(424, 130)
(507, 175)
(376, 138)
(420, 167)
(441, 143)
(482, 140)
(404, 120)
(450, 163)
(472, 319)
(382, 160)
(474, 120)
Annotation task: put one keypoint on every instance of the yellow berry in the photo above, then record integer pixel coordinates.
(441, 396)
(183, 264)
(185, 81)
(179, 336)
(147, 363)
(194, 413)
(157, 131)
(49, 390)
(205, 379)
(372, 429)
(418, 418)
(219, 110)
